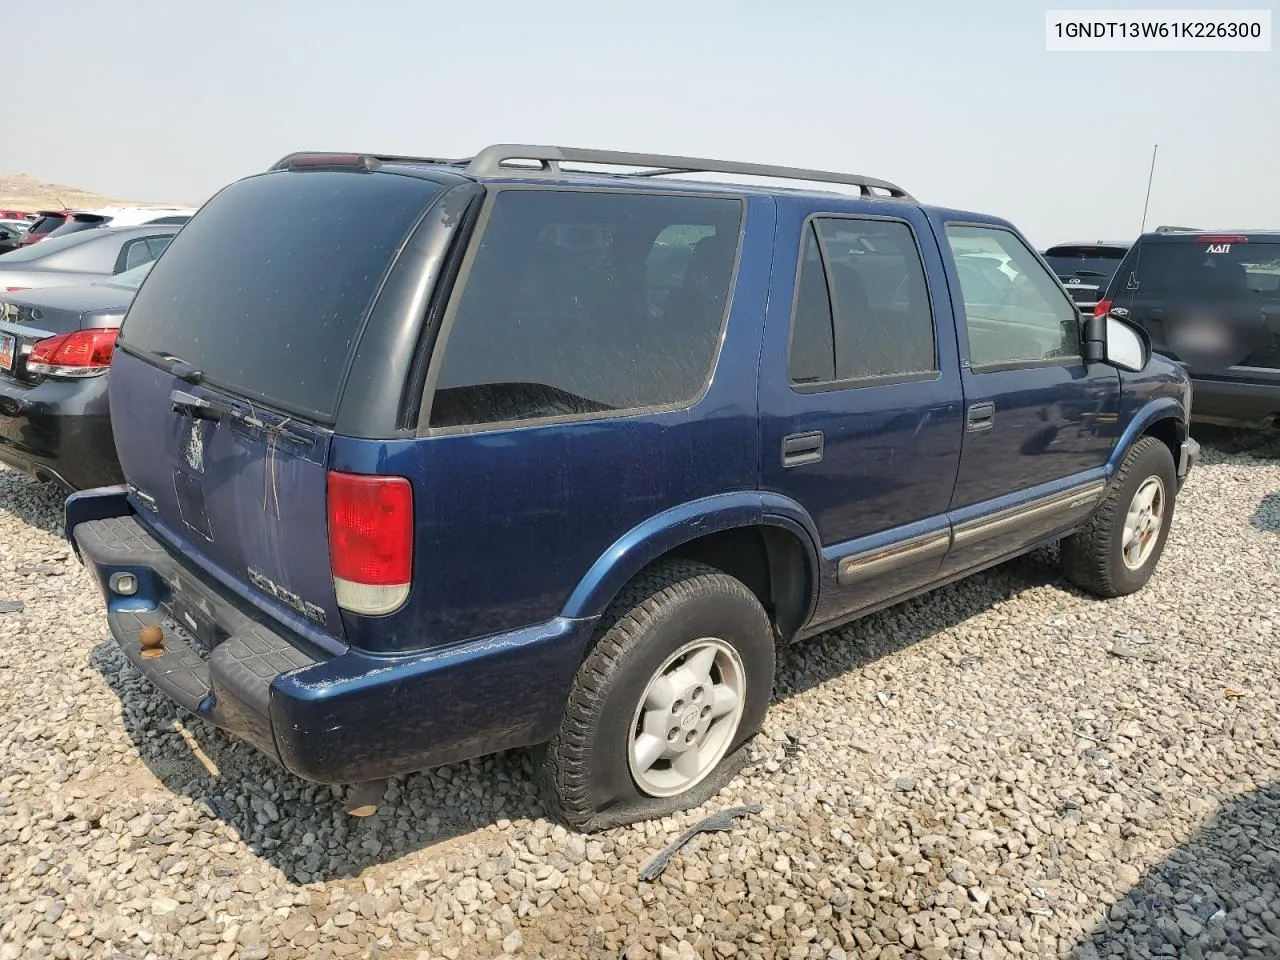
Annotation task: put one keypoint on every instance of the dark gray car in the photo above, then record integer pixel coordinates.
(83, 258)
(55, 349)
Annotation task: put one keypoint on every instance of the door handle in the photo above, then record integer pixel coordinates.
(802, 448)
(982, 416)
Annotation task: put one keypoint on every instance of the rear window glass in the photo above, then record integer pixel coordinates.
(1203, 268)
(45, 224)
(74, 226)
(579, 303)
(1084, 262)
(266, 289)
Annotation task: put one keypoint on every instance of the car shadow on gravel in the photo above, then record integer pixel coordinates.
(1267, 517)
(1259, 444)
(1216, 892)
(301, 828)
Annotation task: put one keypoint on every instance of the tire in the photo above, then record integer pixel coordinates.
(590, 778)
(1094, 557)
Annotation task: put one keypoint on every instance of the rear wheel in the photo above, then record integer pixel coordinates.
(679, 679)
(1117, 551)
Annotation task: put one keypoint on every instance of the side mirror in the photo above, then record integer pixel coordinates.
(1112, 340)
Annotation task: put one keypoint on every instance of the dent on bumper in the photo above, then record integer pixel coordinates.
(343, 719)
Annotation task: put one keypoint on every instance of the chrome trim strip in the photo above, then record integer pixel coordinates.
(990, 526)
(862, 566)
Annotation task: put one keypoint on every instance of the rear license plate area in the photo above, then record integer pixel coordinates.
(194, 624)
(8, 347)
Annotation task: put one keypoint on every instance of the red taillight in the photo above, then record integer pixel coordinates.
(84, 353)
(370, 541)
(13, 289)
(1222, 238)
(1102, 308)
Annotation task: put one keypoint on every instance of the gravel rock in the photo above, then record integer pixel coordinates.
(1020, 789)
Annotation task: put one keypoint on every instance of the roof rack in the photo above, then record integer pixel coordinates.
(496, 160)
(370, 159)
(1177, 230)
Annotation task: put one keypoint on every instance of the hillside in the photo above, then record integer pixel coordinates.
(21, 192)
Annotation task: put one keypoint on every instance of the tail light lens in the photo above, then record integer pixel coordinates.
(83, 353)
(14, 289)
(370, 541)
(1102, 308)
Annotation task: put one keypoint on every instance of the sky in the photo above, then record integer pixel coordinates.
(959, 103)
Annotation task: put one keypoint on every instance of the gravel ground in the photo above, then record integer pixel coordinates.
(1003, 768)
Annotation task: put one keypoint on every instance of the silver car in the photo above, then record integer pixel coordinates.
(82, 258)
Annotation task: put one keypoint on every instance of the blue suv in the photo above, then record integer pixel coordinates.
(446, 457)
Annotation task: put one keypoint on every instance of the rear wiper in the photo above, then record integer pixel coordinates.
(199, 408)
(206, 408)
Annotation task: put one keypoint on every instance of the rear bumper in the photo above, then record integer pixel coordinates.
(59, 430)
(332, 719)
(1241, 403)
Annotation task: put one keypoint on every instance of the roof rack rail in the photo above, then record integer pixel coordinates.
(495, 160)
(369, 159)
(1177, 230)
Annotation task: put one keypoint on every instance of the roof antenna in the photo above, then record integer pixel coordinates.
(1150, 176)
(1132, 283)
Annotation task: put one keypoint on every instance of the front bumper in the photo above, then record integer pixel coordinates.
(59, 430)
(332, 719)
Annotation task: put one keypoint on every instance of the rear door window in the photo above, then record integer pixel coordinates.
(266, 290)
(581, 303)
(862, 309)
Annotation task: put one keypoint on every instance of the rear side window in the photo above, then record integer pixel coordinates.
(136, 253)
(862, 307)
(587, 302)
(265, 290)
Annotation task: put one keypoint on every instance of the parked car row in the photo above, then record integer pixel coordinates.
(11, 234)
(449, 457)
(61, 303)
(48, 224)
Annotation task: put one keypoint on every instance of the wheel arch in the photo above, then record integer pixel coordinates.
(765, 540)
(1163, 418)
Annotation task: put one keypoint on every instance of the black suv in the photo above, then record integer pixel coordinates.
(1212, 302)
(1085, 269)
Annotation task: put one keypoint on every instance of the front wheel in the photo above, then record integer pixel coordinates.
(679, 679)
(1116, 552)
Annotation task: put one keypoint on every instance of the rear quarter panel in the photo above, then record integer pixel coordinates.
(509, 521)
